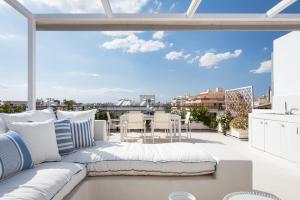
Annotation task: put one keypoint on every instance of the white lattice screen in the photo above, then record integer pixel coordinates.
(239, 101)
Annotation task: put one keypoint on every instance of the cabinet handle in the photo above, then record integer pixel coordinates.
(282, 125)
(266, 123)
(297, 130)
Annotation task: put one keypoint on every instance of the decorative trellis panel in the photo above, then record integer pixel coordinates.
(239, 101)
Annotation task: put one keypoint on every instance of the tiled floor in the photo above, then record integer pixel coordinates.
(270, 174)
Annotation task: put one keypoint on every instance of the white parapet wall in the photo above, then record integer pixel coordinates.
(286, 71)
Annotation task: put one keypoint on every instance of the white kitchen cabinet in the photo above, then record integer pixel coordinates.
(258, 133)
(289, 146)
(280, 138)
(272, 137)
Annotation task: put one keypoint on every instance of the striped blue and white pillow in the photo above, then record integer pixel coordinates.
(82, 134)
(14, 155)
(64, 136)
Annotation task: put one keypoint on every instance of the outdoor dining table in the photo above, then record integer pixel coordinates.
(175, 118)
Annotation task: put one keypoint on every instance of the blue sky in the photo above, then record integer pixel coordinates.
(97, 66)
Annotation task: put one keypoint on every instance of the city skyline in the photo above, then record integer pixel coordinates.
(107, 66)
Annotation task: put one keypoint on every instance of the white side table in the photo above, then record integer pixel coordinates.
(181, 196)
(255, 195)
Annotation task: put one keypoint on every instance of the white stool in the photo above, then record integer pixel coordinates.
(181, 196)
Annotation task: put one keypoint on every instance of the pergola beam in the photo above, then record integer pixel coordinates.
(279, 7)
(20, 8)
(193, 8)
(107, 8)
(31, 64)
(172, 22)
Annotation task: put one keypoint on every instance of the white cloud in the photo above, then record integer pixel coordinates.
(80, 6)
(265, 66)
(87, 94)
(174, 55)
(132, 44)
(186, 56)
(95, 75)
(193, 60)
(83, 74)
(171, 45)
(158, 4)
(158, 35)
(177, 55)
(172, 6)
(7, 36)
(120, 33)
(210, 59)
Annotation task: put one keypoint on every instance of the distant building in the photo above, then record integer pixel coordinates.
(48, 102)
(179, 102)
(16, 103)
(125, 102)
(213, 100)
(147, 100)
(265, 102)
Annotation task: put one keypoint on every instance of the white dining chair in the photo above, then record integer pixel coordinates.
(112, 124)
(135, 121)
(187, 125)
(162, 121)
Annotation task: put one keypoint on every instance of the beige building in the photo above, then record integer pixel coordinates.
(214, 100)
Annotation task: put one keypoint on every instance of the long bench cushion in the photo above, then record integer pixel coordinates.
(44, 182)
(179, 159)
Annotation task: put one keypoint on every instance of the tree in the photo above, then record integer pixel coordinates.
(6, 108)
(70, 104)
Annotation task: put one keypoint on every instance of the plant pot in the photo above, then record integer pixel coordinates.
(239, 133)
(220, 128)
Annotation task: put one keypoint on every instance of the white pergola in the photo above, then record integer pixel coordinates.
(109, 21)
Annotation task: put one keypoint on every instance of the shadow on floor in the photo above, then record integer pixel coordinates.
(168, 140)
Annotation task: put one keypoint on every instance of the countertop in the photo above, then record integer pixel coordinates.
(277, 117)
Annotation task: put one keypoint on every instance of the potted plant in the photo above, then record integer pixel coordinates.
(239, 127)
(223, 121)
(201, 118)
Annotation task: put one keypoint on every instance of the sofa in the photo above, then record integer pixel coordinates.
(75, 180)
(49, 180)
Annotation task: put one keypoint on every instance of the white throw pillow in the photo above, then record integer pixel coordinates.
(40, 139)
(76, 116)
(28, 116)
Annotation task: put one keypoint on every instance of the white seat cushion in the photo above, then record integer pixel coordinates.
(178, 159)
(44, 182)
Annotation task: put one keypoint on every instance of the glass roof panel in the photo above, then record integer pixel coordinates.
(243, 6)
(170, 6)
(154, 6)
(63, 6)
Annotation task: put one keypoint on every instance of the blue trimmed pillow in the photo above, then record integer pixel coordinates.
(14, 155)
(82, 134)
(64, 136)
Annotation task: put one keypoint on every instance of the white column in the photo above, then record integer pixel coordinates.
(31, 64)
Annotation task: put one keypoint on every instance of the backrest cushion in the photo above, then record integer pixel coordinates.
(64, 136)
(77, 116)
(82, 134)
(14, 155)
(40, 139)
(28, 116)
